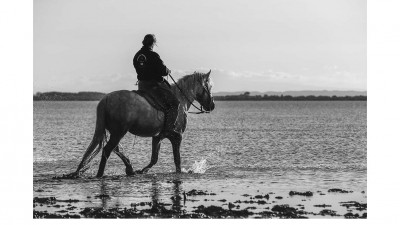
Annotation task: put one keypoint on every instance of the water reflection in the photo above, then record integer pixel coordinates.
(176, 198)
(158, 189)
(125, 191)
(104, 193)
(155, 191)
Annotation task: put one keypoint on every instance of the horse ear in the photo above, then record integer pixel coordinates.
(208, 75)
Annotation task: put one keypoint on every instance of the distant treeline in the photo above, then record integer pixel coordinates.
(95, 96)
(247, 97)
(65, 96)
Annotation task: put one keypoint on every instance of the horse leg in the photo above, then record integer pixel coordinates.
(176, 139)
(156, 144)
(128, 169)
(111, 144)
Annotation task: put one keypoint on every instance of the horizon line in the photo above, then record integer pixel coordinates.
(226, 91)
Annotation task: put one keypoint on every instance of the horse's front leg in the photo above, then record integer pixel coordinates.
(176, 140)
(156, 144)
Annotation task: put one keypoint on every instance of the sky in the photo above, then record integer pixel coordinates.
(249, 45)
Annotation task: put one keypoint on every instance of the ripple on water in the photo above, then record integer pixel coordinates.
(282, 144)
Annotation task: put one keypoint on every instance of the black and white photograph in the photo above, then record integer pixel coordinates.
(163, 111)
(226, 109)
(200, 109)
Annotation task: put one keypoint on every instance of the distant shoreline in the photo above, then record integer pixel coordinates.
(96, 96)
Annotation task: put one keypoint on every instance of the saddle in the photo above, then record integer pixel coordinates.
(152, 100)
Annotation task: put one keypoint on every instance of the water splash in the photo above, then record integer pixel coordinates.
(205, 163)
(198, 167)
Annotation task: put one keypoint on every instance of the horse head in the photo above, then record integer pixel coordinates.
(203, 92)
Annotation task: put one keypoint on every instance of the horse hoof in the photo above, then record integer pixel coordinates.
(143, 171)
(67, 176)
(74, 176)
(130, 172)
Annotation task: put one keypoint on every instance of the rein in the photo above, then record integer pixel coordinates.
(191, 103)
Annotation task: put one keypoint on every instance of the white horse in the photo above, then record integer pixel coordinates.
(125, 111)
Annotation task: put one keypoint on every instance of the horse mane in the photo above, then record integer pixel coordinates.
(188, 81)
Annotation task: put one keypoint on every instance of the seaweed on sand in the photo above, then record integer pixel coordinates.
(219, 212)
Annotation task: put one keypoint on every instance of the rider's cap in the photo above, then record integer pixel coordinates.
(149, 40)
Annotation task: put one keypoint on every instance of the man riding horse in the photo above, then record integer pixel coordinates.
(150, 71)
(123, 111)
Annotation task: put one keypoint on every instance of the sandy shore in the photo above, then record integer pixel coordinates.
(331, 203)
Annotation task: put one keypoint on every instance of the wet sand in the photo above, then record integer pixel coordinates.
(195, 203)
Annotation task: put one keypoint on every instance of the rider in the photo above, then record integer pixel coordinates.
(150, 71)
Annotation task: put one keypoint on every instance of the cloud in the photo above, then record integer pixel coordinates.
(326, 78)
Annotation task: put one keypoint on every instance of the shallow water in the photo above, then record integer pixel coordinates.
(240, 148)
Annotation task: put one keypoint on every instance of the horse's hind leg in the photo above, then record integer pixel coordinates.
(111, 144)
(128, 169)
(156, 143)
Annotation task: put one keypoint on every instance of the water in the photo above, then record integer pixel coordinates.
(241, 147)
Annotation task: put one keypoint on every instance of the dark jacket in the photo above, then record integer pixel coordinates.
(149, 66)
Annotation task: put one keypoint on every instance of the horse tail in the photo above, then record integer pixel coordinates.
(99, 137)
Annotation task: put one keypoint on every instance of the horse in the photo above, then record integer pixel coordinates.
(126, 111)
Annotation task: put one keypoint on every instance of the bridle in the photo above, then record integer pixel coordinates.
(191, 103)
